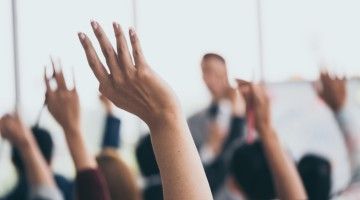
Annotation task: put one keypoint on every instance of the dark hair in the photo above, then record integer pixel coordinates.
(45, 144)
(146, 157)
(148, 167)
(315, 172)
(215, 56)
(251, 171)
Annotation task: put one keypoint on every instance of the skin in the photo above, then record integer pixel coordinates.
(215, 77)
(332, 91)
(287, 180)
(64, 106)
(134, 87)
(37, 171)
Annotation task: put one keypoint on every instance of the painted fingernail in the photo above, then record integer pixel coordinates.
(94, 24)
(81, 36)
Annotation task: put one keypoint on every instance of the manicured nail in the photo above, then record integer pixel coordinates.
(132, 31)
(116, 25)
(81, 36)
(94, 24)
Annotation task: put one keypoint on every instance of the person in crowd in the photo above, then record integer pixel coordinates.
(332, 90)
(315, 172)
(118, 176)
(272, 165)
(39, 178)
(149, 169)
(45, 143)
(63, 105)
(133, 86)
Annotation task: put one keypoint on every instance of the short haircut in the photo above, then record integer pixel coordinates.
(315, 172)
(146, 157)
(118, 176)
(215, 56)
(251, 172)
(45, 144)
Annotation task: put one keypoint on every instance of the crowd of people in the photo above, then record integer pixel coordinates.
(228, 151)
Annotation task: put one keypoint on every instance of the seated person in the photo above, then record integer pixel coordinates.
(263, 170)
(332, 90)
(39, 183)
(45, 144)
(118, 176)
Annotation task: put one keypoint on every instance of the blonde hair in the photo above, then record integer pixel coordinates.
(120, 180)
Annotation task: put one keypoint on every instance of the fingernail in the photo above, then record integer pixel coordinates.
(116, 25)
(132, 31)
(81, 36)
(94, 24)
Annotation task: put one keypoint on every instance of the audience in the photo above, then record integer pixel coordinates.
(202, 158)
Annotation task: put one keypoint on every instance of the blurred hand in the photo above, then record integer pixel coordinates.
(256, 97)
(106, 103)
(12, 129)
(62, 103)
(332, 91)
(133, 87)
(237, 101)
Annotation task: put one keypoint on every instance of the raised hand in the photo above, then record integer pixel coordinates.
(133, 87)
(257, 99)
(13, 130)
(62, 103)
(332, 91)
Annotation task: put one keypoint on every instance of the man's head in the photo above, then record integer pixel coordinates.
(315, 172)
(215, 74)
(251, 172)
(45, 144)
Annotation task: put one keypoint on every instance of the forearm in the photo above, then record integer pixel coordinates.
(37, 170)
(287, 180)
(182, 173)
(81, 157)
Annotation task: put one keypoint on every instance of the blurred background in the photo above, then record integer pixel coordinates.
(298, 37)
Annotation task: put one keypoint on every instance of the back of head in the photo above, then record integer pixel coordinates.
(146, 157)
(251, 172)
(119, 178)
(315, 172)
(45, 144)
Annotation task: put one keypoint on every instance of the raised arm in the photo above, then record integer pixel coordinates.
(287, 180)
(135, 88)
(63, 104)
(39, 176)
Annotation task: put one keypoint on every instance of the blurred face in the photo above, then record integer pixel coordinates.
(215, 77)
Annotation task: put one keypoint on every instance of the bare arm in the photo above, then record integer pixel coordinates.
(135, 88)
(287, 180)
(64, 106)
(37, 170)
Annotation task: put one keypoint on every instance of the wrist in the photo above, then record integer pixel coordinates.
(165, 120)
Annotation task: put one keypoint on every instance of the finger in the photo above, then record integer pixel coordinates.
(139, 58)
(47, 82)
(93, 59)
(124, 55)
(59, 77)
(106, 48)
